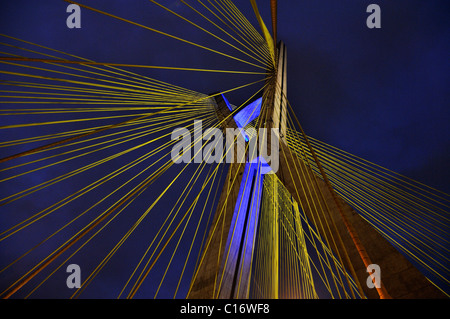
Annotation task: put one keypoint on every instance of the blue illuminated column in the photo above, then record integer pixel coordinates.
(236, 261)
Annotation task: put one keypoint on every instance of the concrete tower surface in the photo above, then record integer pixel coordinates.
(230, 244)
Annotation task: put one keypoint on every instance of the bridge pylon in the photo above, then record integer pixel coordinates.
(225, 266)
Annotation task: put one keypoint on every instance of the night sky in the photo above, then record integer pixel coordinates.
(381, 94)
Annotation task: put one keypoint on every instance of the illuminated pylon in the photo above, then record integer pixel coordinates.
(225, 268)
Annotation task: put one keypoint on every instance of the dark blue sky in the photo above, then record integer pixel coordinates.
(381, 94)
